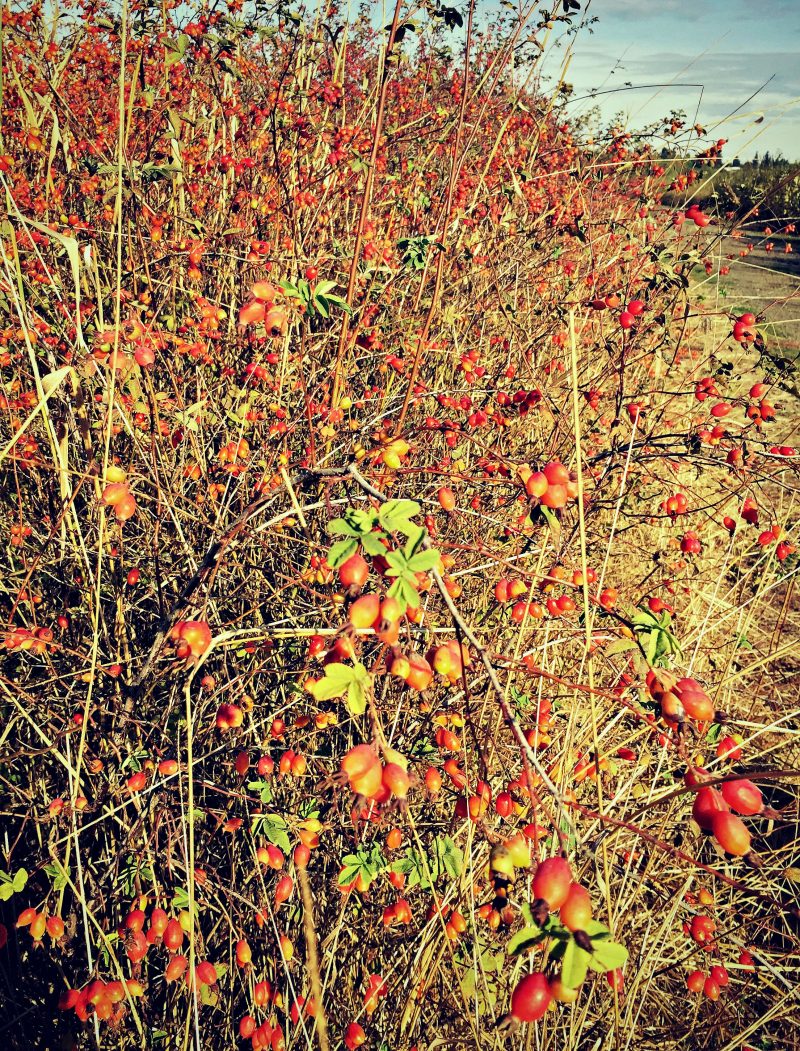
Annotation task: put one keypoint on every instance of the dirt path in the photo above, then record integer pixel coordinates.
(763, 282)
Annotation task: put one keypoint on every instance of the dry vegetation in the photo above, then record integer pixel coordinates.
(261, 276)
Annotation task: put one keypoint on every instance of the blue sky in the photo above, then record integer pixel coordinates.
(730, 47)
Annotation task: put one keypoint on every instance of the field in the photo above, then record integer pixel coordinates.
(398, 503)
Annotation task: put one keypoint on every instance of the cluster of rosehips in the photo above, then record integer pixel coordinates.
(761, 411)
(368, 776)
(555, 891)
(706, 388)
(773, 536)
(508, 590)
(455, 924)
(554, 486)
(681, 698)
(505, 859)
(691, 543)
(119, 496)
(712, 809)
(708, 984)
(744, 330)
(39, 923)
(675, 505)
(31, 640)
(697, 216)
(103, 1000)
(261, 309)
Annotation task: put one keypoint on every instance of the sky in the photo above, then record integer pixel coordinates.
(711, 54)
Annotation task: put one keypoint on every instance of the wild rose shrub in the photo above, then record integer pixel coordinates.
(388, 507)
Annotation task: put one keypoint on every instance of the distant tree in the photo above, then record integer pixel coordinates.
(766, 160)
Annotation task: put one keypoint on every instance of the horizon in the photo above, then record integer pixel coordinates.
(645, 61)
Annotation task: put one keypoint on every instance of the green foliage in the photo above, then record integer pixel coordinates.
(12, 884)
(655, 636)
(606, 955)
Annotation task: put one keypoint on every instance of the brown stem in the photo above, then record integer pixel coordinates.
(365, 204)
(312, 957)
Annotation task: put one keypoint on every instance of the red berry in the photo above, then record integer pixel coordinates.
(531, 998)
(743, 796)
(731, 833)
(695, 981)
(552, 882)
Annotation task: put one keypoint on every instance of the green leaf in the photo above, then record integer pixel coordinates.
(450, 856)
(652, 646)
(415, 537)
(337, 301)
(361, 521)
(398, 563)
(620, 646)
(404, 592)
(321, 306)
(341, 551)
(607, 956)
(574, 964)
(323, 287)
(371, 542)
(552, 521)
(597, 930)
(525, 939)
(57, 875)
(19, 880)
(337, 680)
(340, 527)
(358, 692)
(264, 789)
(424, 560)
(394, 514)
(275, 829)
(180, 899)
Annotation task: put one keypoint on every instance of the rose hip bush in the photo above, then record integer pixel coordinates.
(398, 618)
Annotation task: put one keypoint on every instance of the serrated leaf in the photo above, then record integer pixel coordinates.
(596, 930)
(275, 829)
(552, 521)
(394, 514)
(607, 956)
(652, 646)
(371, 542)
(424, 560)
(349, 875)
(620, 646)
(361, 521)
(525, 939)
(340, 527)
(415, 537)
(357, 698)
(341, 551)
(450, 855)
(337, 680)
(574, 964)
(397, 563)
